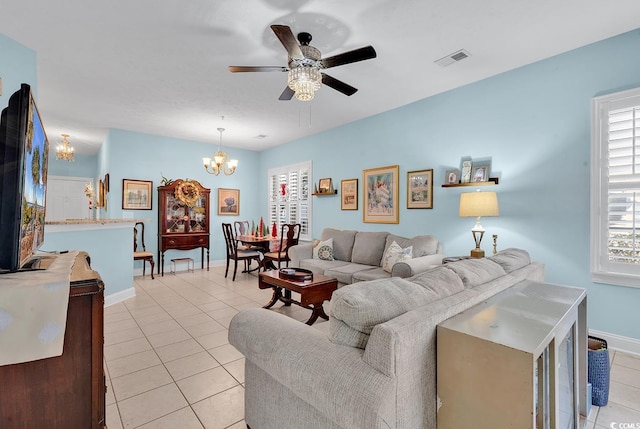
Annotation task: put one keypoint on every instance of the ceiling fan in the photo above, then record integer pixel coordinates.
(305, 63)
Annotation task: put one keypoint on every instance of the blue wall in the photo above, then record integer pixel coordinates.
(146, 157)
(17, 66)
(533, 123)
(82, 165)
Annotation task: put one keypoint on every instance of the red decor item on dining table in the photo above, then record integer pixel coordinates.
(274, 230)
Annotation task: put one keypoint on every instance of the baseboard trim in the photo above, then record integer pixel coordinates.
(117, 297)
(618, 342)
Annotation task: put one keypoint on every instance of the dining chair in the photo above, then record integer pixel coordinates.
(241, 227)
(138, 243)
(289, 236)
(233, 252)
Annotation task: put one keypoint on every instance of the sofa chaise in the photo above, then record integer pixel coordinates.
(376, 365)
(358, 255)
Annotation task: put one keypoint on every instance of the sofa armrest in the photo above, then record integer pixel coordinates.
(300, 252)
(332, 378)
(414, 266)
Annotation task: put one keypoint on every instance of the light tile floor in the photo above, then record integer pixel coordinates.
(169, 364)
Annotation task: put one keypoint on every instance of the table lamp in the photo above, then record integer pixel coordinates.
(478, 204)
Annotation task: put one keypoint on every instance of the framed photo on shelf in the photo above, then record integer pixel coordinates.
(420, 189)
(480, 172)
(136, 194)
(324, 186)
(229, 202)
(349, 194)
(452, 177)
(380, 189)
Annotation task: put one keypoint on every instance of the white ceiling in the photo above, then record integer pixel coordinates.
(160, 66)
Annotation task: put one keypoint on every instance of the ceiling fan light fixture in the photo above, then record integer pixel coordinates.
(305, 81)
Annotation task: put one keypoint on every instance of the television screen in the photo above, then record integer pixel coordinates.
(24, 157)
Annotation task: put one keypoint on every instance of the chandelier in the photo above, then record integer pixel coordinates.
(64, 150)
(305, 81)
(221, 161)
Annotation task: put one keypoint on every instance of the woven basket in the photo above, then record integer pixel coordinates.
(598, 362)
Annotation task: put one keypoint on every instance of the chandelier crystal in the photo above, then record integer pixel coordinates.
(305, 81)
(64, 150)
(221, 161)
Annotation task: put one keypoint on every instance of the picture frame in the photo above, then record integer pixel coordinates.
(106, 182)
(420, 189)
(324, 186)
(137, 194)
(380, 190)
(102, 201)
(349, 194)
(228, 202)
(480, 172)
(452, 177)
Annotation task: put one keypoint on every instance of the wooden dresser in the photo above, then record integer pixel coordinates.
(68, 391)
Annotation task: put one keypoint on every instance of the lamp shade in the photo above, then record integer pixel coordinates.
(474, 204)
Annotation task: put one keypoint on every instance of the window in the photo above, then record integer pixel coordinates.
(615, 189)
(290, 198)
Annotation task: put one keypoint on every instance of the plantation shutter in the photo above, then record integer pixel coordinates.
(624, 185)
(290, 198)
(615, 189)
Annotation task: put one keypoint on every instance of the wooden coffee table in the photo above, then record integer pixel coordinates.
(312, 292)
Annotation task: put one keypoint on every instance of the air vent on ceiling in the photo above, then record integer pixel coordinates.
(453, 58)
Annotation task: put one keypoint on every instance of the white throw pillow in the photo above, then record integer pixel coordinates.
(324, 250)
(394, 254)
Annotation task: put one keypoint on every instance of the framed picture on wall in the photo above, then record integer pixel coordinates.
(480, 172)
(420, 189)
(136, 194)
(229, 202)
(324, 186)
(349, 194)
(452, 177)
(380, 195)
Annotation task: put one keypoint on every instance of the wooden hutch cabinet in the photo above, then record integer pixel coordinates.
(183, 219)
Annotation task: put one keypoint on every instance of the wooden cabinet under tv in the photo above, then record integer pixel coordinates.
(183, 224)
(66, 391)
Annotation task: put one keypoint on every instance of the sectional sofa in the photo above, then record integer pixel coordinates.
(375, 368)
(358, 255)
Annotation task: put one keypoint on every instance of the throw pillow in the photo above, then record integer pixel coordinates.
(324, 250)
(394, 254)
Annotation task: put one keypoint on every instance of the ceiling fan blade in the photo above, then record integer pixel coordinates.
(287, 94)
(338, 85)
(354, 56)
(238, 69)
(288, 40)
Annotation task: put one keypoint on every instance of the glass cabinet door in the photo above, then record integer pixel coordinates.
(197, 215)
(175, 214)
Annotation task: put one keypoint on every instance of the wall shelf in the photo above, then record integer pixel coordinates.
(319, 194)
(492, 181)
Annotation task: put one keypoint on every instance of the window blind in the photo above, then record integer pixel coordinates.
(290, 198)
(615, 189)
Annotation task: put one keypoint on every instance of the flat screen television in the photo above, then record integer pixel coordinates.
(24, 157)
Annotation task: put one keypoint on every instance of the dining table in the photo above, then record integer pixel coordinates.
(262, 244)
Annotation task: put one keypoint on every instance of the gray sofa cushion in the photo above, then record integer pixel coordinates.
(511, 259)
(368, 248)
(344, 273)
(319, 266)
(422, 244)
(372, 274)
(476, 271)
(357, 308)
(342, 242)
